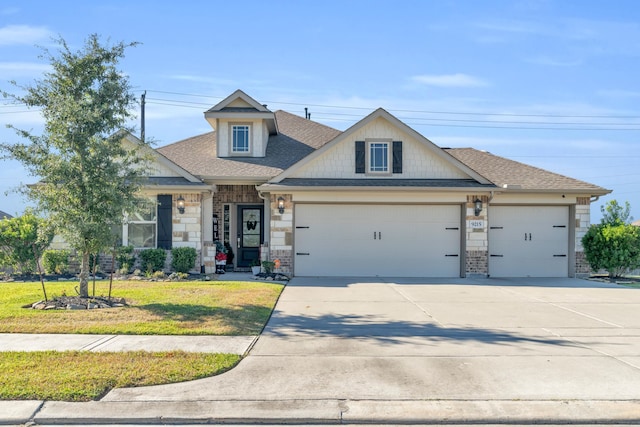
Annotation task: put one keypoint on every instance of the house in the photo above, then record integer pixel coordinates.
(378, 199)
(4, 215)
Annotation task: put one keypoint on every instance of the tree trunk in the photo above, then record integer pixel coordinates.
(84, 275)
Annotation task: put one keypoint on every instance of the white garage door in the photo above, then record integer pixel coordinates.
(375, 240)
(529, 241)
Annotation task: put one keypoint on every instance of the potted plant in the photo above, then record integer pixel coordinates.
(268, 266)
(255, 267)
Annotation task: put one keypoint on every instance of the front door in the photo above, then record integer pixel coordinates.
(250, 233)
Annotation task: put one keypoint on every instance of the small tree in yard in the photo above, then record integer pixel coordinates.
(614, 244)
(88, 177)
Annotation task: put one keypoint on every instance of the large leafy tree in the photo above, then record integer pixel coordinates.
(88, 178)
(614, 244)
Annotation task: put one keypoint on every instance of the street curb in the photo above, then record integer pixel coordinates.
(335, 411)
(14, 412)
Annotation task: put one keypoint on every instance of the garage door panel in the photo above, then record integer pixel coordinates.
(377, 240)
(528, 241)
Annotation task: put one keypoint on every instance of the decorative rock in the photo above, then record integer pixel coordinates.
(36, 303)
(39, 306)
(75, 307)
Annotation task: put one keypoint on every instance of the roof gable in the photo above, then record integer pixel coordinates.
(238, 99)
(160, 166)
(423, 159)
(240, 106)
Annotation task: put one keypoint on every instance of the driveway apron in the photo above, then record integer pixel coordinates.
(429, 339)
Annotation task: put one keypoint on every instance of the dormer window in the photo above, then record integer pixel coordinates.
(240, 139)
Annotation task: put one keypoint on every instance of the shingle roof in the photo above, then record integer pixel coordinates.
(503, 172)
(299, 137)
(296, 139)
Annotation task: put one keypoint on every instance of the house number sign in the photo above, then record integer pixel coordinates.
(476, 223)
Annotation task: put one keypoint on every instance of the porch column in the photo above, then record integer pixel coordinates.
(207, 260)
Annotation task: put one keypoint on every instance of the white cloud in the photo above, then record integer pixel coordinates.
(618, 93)
(23, 34)
(201, 79)
(449, 80)
(22, 69)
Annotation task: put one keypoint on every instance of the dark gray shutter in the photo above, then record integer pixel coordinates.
(164, 221)
(397, 156)
(360, 157)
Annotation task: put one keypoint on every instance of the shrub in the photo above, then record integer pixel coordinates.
(183, 259)
(125, 258)
(614, 248)
(153, 259)
(55, 261)
(22, 240)
(158, 275)
(268, 266)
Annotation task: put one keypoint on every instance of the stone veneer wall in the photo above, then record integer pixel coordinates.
(583, 222)
(282, 233)
(187, 227)
(476, 256)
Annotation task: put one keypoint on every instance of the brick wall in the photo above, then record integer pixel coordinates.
(234, 194)
(582, 266)
(476, 262)
(476, 237)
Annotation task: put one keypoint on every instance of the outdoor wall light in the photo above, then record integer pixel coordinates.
(281, 205)
(180, 204)
(478, 206)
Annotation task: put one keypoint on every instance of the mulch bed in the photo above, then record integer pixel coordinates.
(77, 303)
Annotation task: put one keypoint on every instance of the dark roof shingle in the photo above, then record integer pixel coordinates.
(502, 171)
(296, 139)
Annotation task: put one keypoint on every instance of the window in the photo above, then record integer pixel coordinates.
(226, 224)
(240, 139)
(378, 157)
(139, 229)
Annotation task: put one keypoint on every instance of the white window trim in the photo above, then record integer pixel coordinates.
(249, 137)
(127, 221)
(388, 143)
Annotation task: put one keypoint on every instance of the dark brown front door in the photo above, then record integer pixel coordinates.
(250, 233)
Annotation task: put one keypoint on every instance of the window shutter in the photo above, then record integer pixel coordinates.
(360, 157)
(164, 221)
(397, 156)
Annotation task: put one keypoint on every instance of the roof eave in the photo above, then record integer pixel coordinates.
(184, 188)
(287, 188)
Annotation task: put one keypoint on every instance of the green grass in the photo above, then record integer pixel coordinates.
(156, 308)
(168, 308)
(83, 376)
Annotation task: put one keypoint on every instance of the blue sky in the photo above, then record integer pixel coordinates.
(550, 83)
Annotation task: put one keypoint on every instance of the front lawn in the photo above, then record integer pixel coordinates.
(82, 376)
(155, 308)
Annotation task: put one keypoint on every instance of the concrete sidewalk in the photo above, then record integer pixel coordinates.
(81, 342)
(394, 351)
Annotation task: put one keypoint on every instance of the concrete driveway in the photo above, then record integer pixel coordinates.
(389, 340)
